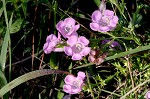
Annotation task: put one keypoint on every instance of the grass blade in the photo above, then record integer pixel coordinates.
(28, 76)
(132, 51)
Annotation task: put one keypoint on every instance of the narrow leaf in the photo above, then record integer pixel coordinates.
(1, 11)
(132, 51)
(3, 53)
(97, 2)
(3, 80)
(28, 76)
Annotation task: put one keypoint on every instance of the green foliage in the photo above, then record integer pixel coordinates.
(3, 80)
(16, 26)
(97, 2)
(24, 26)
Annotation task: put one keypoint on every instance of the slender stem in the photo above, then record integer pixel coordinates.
(9, 60)
(129, 67)
(110, 92)
(133, 89)
(54, 10)
(89, 84)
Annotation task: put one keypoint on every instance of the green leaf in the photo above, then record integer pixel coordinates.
(24, 7)
(28, 76)
(97, 2)
(122, 54)
(4, 51)
(5, 46)
(132, 51)
(1, 11)
(53, 61)
(60, 94)
(3, 80)
(15, 27)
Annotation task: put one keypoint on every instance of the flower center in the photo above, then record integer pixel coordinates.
(68, 28)
(78, 48)
(104, 21)
(76, 84)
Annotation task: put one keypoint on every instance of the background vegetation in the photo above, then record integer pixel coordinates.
(24, 26)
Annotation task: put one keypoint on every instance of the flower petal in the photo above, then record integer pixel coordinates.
(59, 25)
(96, 16)
(104, 29)
(113, 22)
(70, 21)
(109, 13)
(72, 40)
(83, 40)
(59, 36)
(147, 95)
(72, 34)
(81, 75)
(115, 19)
(76, 57)
(75, 91)
(48, 47)
(76, 27)
(68, 50)
(94, 26)
(58, 49)
(85, 51)
(67, 88)
(51, 37)
(69, 79)
(46, 51)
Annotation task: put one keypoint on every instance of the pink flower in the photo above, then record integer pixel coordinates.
(67, 27)
(50, 45)
(103, 20)
(74, 84)
(147, 95)
(77, 47)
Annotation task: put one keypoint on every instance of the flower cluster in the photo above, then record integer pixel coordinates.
(76, 46)
(73, 85)
(103, 20)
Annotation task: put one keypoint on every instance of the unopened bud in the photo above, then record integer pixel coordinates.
(102, 6)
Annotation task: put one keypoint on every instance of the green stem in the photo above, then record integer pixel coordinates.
(89, 84)
(54, 10)
(110, 92)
